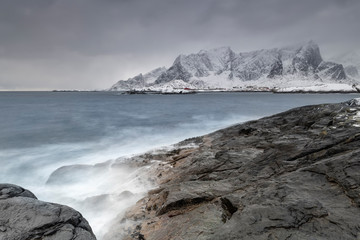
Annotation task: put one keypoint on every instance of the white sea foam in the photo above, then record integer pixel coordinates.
(86, 184)
(120, 126)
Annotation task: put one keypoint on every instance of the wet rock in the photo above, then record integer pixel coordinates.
(294, 175)
(69, 174)
(22, 217)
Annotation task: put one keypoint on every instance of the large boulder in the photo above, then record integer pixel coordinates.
(24, 217)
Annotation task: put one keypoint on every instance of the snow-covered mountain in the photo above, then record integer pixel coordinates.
(295, 66)
(351, 63)
(139, 81)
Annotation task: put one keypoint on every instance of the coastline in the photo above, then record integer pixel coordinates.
(162, 167)
(213, 91)
(263, 178)
(192, 91)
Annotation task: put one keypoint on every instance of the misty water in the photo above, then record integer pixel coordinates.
(42, 131)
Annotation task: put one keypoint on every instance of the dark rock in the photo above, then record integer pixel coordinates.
(22, 217)
(294, 175)
(176, 71)
(331, 70)
(10, 191)
(276, 69)
(308, 58)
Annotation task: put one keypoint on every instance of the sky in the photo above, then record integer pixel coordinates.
(91, 44)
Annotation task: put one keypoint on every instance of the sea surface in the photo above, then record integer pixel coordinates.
(42, 131)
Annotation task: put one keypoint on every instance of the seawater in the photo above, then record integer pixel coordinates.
(42, 131)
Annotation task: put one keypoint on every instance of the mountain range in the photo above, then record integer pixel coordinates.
(288, 68)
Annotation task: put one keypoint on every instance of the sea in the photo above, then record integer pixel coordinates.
(41, 132)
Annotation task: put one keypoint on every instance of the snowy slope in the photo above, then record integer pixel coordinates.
(138, 82)
(351, 63)
(299, 65)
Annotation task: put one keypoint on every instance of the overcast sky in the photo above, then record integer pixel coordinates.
(90, 44)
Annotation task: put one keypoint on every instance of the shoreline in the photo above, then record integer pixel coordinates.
(174, 159)
(216, 91)
(130, 92)
(275, 169)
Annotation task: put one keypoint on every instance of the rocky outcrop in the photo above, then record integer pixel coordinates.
(294, 175)
(23, 217)
(331, 70)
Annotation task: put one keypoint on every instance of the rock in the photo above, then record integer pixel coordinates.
(294, 175)
(10, 191)
(125, 194)
(139, 81)
(331, 70)
(97, 203)
(22, 217)
(69, 174)
(102, 202)
(276, 69)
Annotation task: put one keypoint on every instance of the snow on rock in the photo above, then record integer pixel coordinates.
(351, 63)
(328, 87)
(356, 101)
(331, 70)
(139, 81)
(172, 85)
(299, 66)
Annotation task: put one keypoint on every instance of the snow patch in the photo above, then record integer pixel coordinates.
(356, 101)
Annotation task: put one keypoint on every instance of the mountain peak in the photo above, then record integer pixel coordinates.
(221, 67)
(312, 43)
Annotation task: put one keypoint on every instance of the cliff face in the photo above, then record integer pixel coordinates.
(22, 217)
(294, 175)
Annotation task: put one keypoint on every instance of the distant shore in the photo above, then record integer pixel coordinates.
(194, 91)
(231, 91)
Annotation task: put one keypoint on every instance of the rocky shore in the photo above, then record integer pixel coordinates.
(24, 217)
(294, 175)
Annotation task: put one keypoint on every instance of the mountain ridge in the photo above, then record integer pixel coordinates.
(351, 63)
(223, 68)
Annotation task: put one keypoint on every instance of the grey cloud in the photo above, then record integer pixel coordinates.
(140, 34)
